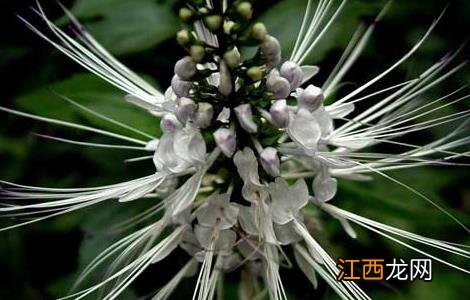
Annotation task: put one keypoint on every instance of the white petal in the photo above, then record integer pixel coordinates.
(218, 212)
(247, 166)
(306, 268)
(324, 187)
(304, 130)
(287, 200)
(247, 219)
(324, 121)
(189, 145)
(308, 72)
(184, 196)
(286, 234)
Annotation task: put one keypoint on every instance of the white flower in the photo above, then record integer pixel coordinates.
(286, 201)
(217, 212)
(304, 130)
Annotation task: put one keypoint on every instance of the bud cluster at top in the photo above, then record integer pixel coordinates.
(240, 101)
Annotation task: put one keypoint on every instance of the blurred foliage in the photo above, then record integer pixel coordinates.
(124, 26)
(41, 261)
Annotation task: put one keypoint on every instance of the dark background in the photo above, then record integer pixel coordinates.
(40, 261)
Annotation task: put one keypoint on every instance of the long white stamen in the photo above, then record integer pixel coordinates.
(73, 125)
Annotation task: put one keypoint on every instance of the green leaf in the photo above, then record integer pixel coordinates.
(387, 202)
(94, 93)
(124, 26)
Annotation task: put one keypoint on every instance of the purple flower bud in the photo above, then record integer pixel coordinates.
(186, 109)
(311, 98)
(271, 50)
(245, 117)
(169, 123)
(280, 113)
(278, 85)
(226, 140)
(180, 87)
(270, 161)
(185, 68)
(293, 73)
(204, 115)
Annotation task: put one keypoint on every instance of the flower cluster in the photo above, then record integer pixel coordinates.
(248, 142)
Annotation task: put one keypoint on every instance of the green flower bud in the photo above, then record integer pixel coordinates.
(185, 14)
(259, 31)
(255, 73)
(232, 58)
(183, 37)
(229, 26)
(204, 10)
(245, 10)
(213, 22)
(197, 52)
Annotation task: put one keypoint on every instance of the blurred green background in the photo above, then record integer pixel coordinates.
(40, 261)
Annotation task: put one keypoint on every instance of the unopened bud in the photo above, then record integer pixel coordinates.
(185, 68)
(232, 58)
(169, 123)
(213, 22)
(185, 14)
(224, 115)
(245, 10)
(203, 10)
(293, 73)
(280, 113)
(186, 109)
(225, 84)
(255, 73)
(183, 37)
(229, 26)
(278, 85)
(245, 118)
(311, 98)
(270, 161)
(226, 140)
(272, 51)
(197, 53)
(259, 31)
(204, 115)
(180, 87)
